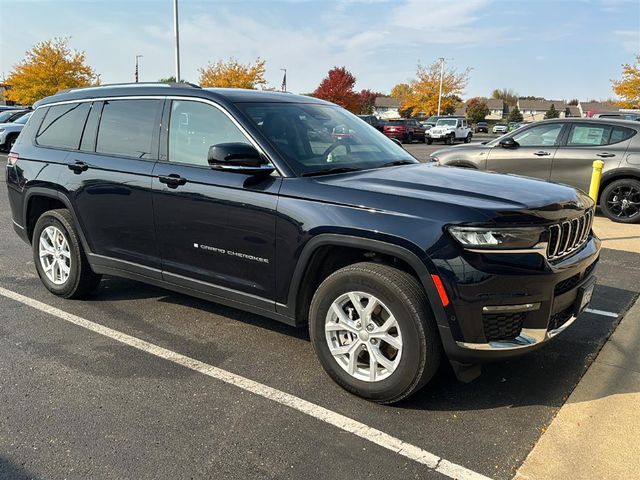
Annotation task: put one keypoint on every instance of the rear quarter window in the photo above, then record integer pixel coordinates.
(62, 126)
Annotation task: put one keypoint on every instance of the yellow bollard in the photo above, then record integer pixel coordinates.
(596, 175)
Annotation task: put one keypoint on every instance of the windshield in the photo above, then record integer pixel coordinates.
(4, 116)
(447, 121)
(315, 138)
(23, 119)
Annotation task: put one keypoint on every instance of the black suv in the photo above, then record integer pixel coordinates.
(249, 199)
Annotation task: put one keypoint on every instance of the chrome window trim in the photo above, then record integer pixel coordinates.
(251, 140)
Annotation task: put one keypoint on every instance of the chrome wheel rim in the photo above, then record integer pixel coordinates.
(55, 256)
(363, 336)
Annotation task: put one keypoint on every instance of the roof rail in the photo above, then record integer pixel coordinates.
(138, 84)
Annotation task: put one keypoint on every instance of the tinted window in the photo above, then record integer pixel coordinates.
(589, 135)
(194, 127)
(619, 134)
(62, 126)
(539, 136)
(127, 128)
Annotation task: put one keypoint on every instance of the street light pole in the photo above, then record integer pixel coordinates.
(176, 33)
(284, 80)
(441, 75)
(137, 57)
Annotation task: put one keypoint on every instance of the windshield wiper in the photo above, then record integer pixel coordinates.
(398, 162)
(329, 171)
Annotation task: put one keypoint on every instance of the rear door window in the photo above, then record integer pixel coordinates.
(128, 128)
(62, 126)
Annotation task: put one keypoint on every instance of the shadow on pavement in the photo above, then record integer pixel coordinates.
(544, 377)
(11, 471)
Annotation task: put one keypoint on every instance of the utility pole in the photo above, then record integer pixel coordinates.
(176, 33)
(284, 80)
(441, 75)
(137, 57)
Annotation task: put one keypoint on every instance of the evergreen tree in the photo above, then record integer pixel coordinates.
(515, 115)
(552, 112)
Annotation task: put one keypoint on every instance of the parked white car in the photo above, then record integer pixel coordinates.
(449, 130)
(500, 128)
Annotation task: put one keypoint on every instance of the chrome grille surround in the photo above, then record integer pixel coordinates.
(569, 236)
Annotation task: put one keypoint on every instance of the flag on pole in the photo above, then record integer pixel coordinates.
(284, 81)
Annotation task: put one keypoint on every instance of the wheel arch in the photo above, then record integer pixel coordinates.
(38, 200)
(302, 285)
(618, 174)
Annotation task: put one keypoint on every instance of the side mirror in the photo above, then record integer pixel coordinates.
(238, 158)
(509, 142)
(398, 142)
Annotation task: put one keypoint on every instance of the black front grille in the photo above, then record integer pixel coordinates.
(569, 235)
(502, 326)
(566, 285)
(571, 282)
(560, 318)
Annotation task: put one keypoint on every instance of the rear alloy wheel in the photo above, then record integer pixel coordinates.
(373, 332)
(620, 201)
(467, 139)
(59, 257)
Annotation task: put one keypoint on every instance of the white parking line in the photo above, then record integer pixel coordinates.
(342, 422)
(601, 312)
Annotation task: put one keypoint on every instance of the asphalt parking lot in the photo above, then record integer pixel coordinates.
(82, 403)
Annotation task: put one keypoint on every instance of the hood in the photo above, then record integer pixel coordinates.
(475, 189)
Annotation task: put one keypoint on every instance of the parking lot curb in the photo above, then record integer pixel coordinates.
(597, 431)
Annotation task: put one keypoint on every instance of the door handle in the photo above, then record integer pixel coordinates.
(78, 167)
(606, 155)
(542, 154)
(173, 180)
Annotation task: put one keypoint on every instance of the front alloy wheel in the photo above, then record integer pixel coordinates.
(363, 336)
(373, 331)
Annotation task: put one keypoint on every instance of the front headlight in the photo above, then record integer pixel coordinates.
(497, 238)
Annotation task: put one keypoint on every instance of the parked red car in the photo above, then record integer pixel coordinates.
(406, 130)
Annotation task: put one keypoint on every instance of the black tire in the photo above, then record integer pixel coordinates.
(408, 138)
(429, 141)
(424, 138)
(449, 140)
(82, 280)
(620, 201)
(467, 139)
(404, 296)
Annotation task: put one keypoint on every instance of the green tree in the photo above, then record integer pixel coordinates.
(477, 110)
(515, 115)
(552, 112)
(507, 95)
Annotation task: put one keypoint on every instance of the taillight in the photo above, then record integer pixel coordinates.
(12, 158)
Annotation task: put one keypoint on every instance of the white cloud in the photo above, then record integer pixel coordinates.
(628, 39)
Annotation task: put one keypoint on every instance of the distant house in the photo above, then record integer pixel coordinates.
(587, 109)
(535, 110)
(387, 108)
(573, 111)
(496, 109)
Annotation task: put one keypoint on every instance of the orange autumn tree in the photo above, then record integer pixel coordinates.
(233, 74)
(422, 95)
(628, 87)
(48, 67)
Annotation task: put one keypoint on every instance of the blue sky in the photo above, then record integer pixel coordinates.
(557, 49)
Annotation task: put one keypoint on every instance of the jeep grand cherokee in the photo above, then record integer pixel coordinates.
(247, 198)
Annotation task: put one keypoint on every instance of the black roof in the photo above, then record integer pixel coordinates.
(222, 95)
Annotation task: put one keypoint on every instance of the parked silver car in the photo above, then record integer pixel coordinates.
(563, 151)
(9, 131)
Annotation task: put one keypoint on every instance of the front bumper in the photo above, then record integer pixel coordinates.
(503, 305)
